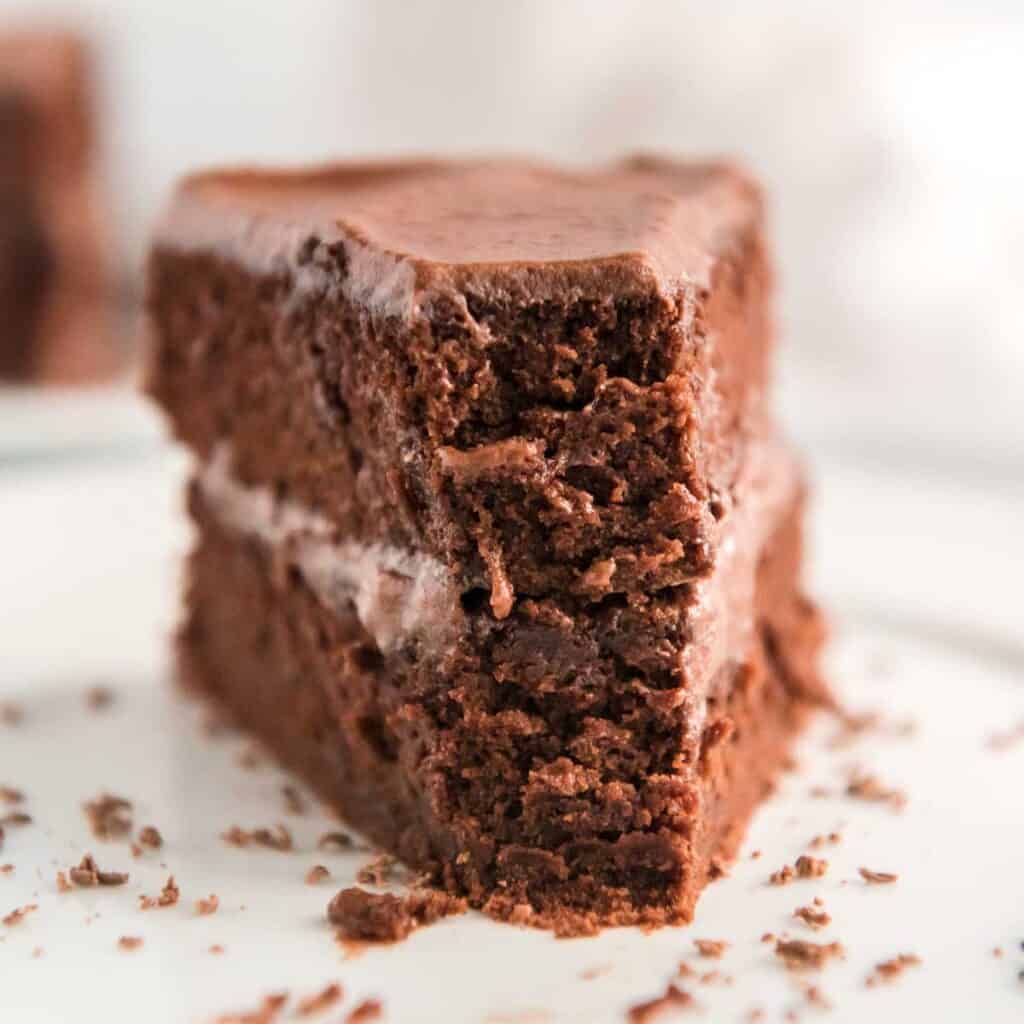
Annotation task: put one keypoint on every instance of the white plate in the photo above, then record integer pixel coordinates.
(62, 423)
(917, 575)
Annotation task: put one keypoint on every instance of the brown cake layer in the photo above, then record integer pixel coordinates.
(55, 318)
(564, 801)
(568, 422)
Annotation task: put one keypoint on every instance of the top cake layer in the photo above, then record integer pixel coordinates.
(545, 380)
(491, 223)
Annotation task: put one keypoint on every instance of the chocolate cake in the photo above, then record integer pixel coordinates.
(497, 541)
(54, 298)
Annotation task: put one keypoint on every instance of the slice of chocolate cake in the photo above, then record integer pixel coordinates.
(497, 541)
(54, 298)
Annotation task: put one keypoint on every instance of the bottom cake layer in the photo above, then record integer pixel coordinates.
(576, 840)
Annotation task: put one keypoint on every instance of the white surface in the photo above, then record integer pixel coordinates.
(89, 555)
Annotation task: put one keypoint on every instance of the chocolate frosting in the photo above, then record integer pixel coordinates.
(506, 225)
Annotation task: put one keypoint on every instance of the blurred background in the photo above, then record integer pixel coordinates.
(888, 135)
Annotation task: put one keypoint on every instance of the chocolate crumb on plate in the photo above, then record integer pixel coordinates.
(16, 818)
(813, 917)
(6, 869)
(817, 998)
(150, 836)
(129, 943)
(367, 1010)
(378, 871)
(713, 949)
(320, 1001)
(871, 789)
(99, 698)
(19, 914)
(11, 714)
(110, 817)
(317, 873)
(168, 897)
(783, 876)
(269, 1010)
(293, 800)
(10, 795)
(890, 970)
(88, 873)
(817, 842)
(276, 838)
(877, 877)
(335, 841)
(799, 955)
(207, 906)
(377, 917)
(674, 998)
(810, 867)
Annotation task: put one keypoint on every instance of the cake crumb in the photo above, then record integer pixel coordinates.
(109, 817)
(87, 873)
(316, 874)
(150, 836)
(335, 841)
(11, 713)
(277, 838)
(169, 896)
(756, 855)
(10, 795)
(590, 973)
(210, 905)
(890, 970)
(674, 998)
(268, 1012)
(322, 1000)
(379, 871)
(813, 917)
(810, 867)
(216, 949)
(768, 937)
(129, 943)
(817, 842)
(713, 949)
(869, 788)
(367, 1010)
(19, 914)
(783, 876)
(877, 877)
(16, 819)
(798, 955)
(997, 952)
(376, 917)
(817, 998)
(37, 952)
(6, 869)
(99, 698)
(293, 800)
(63, 885)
